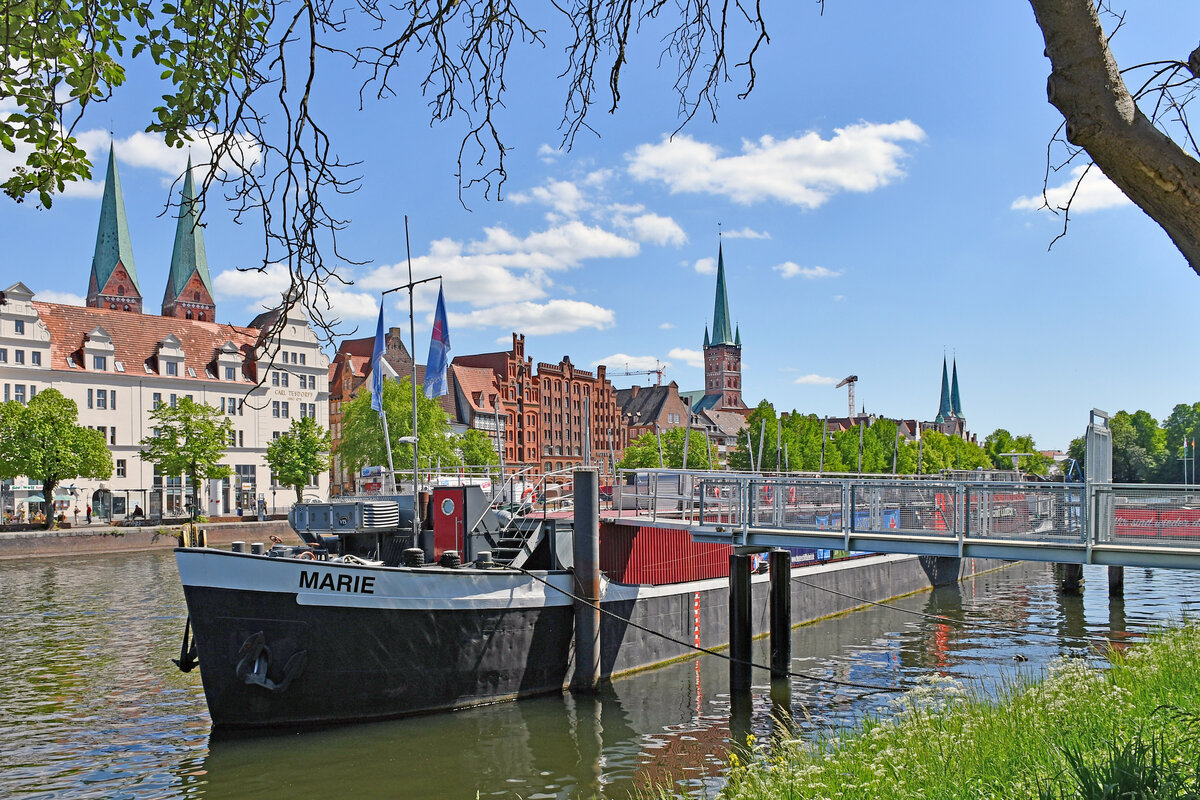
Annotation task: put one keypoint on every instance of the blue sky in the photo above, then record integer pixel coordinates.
(878, 194)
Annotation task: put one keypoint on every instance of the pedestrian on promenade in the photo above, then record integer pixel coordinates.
(76, 516)
(89, 514)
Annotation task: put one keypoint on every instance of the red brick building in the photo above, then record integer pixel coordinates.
(581, 420)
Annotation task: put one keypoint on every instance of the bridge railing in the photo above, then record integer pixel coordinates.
(1147, 515)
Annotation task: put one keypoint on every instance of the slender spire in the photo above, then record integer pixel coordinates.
(706, 336)
(737, 336)
(955, 402)
(188, 259)
(721, 333)
(945, 411)
(113, 246)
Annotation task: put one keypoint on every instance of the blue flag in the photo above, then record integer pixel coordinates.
(439, 352)
(377, 366)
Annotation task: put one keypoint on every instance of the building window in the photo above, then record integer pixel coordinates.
(293, 357)
(112, 399)
(283, 379)
(112, 435)
(230, 374)
(233, 438)
(100, 363)
(19, 356)
(274, 408)
(120, 468)
(101, 399)
(172, 368)
(174, 400)
(157, 400)
(274, 378)
(35, 358)
(284, 408)
(91, 392)
(3, 355)
(302, 359)
(241, 438)
(19, 327)
(19, 392)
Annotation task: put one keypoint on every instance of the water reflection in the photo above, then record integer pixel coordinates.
(94, 708)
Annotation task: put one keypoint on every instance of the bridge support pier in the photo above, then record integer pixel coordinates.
(781, 614)
(1116, 581)
(741, 631)
(1069, 577)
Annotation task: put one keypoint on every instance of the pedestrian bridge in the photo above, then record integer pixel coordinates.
(963, 514)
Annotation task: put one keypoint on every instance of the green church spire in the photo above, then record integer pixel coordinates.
(945, 410)
(955, 403)
(722, 333)
(113, 245)
(188, 256)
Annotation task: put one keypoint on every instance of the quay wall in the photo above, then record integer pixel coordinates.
(103, 539)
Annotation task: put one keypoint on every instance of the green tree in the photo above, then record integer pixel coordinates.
(642, 452)
(299, 454)
(477, 449)
(43, 442)
(1001, 441)
(362, 433)
(188, 438)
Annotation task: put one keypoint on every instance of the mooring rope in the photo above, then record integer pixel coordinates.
(871, 688)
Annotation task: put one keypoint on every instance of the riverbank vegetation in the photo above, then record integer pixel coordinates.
(1146, 451)
(1131, 730)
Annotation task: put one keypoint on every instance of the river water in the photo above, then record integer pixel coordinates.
(91, 706)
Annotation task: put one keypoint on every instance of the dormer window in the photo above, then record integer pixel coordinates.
(172, 368)
(100, 363)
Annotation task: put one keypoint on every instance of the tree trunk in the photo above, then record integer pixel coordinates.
(299, 493)
(48, 504)
(1102, 118)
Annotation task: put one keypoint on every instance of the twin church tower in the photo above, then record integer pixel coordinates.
(114, 283)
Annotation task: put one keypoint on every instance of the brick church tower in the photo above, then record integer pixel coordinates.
(189, 292)
(722, 353)
(113, 283)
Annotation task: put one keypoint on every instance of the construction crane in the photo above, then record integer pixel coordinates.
(849, 380)
(658, 371)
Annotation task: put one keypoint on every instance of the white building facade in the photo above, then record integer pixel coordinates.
(118, 365)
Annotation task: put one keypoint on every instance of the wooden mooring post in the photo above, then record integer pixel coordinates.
(1116, 581)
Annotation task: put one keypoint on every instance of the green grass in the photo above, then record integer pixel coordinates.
(1128, 732)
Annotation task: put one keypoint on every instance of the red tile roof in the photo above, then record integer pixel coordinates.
(136, 337)
(478, 387)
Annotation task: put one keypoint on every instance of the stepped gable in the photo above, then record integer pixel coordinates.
(136, 337)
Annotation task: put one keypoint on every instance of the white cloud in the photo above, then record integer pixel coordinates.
(658, 230)
(706, 266)
(1095, 192)
(693, 358)
(628, 363)
(790, 269)
(563, 196)
(548, 154)
(666, 326)
(598, 177)
(803, 170)
(814, 379)
(258, 291)
(65, 298)
(747, 233)
(555, 316)
(556, 248)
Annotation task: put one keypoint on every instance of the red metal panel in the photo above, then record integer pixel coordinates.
(449, 519)
(657, 556)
